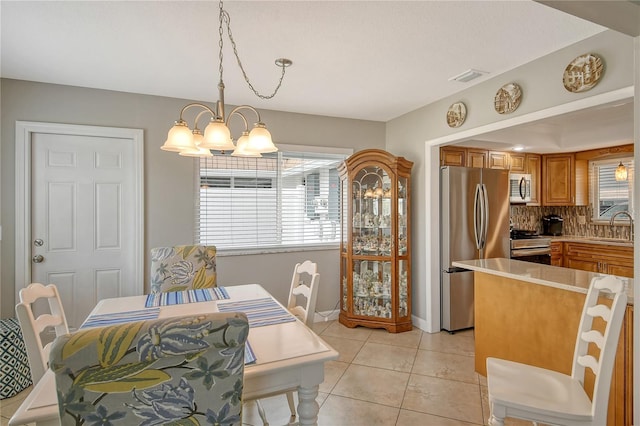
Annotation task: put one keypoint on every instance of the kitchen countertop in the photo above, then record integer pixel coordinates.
(536, 273)
(592, 240)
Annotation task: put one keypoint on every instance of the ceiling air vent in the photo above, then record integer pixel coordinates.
(468, 75)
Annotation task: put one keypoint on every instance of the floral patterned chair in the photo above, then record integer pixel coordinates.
(182, 267)
(181, 370)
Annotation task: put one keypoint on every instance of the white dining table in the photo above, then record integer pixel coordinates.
(289, 356)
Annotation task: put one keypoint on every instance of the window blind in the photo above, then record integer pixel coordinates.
(284, 199)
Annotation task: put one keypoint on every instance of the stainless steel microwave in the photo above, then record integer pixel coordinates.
(519, 188)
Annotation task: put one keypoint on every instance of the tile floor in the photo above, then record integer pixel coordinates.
(404, 379)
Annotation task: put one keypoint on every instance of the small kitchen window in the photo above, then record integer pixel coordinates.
(610, 191)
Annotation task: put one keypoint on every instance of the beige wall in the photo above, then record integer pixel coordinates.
(415, 134)
(169, 179)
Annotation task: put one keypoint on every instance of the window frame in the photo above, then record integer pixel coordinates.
(594, 188)
(284, 248)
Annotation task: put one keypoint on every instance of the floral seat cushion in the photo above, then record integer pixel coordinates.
(182, 268)
(182, 370)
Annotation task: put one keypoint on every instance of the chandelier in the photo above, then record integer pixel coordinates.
(217, 136)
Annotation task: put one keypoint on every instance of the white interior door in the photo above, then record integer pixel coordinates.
(85, 206)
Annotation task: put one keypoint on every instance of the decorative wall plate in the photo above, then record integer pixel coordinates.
(456, 114)
(583, 73)
(508, 98)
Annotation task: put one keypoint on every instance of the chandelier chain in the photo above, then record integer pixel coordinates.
(224, 16)
(220, 31)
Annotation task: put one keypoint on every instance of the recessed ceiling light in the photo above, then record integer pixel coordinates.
(468, 75)
(518, 148)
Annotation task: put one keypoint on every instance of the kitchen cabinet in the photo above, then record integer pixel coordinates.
(498, 160)
(556, 253)
(517, 163)
(533, 167)
(621, 397)
(453, 156)
(564, 180)
(375, 258)
(603, 258)
(476, 158)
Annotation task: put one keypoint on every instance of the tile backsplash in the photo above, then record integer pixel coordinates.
(577, 221)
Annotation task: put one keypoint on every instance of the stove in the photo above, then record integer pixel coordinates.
(528, 246)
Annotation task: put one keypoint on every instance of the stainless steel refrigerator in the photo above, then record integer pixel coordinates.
(474, 224)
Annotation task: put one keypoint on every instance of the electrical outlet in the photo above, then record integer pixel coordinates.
(582, 220)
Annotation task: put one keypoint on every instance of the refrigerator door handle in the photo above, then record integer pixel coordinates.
(477, 211)
(485, 208)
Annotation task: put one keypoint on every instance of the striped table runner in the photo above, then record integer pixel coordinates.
(260, 312)
(186, 296)
(120, 317)
(249, 356)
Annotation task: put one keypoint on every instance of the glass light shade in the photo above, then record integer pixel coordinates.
(217, 136)
(368, 193)
(198, 151)
(260, 140)
(379, 192)
(241, 147)
(621, 172)
(179, 138)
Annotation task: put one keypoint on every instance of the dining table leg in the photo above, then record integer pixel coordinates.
(308, 407)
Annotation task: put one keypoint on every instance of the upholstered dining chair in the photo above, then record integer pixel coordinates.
(539, 395)
(302, 304)
(181, 370)
(34, 321)
(182, 268)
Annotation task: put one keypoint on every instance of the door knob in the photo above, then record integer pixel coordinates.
(38, 242)
(38, 258)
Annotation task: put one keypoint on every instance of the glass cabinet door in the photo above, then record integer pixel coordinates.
(402, 216)
(403, 293)
(372, 288)
(371, 212)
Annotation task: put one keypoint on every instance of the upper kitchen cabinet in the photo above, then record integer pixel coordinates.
(476, 158)
(498, 160)
(564, 180)
(453, 156)
(517, 163)
(473, 157)
(532, 166)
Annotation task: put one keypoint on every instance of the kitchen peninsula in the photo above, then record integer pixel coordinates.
(529, 313)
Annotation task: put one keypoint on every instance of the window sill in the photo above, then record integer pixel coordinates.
(273, 250)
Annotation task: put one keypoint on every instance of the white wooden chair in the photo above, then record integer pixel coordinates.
(539, 395)
(32, 327)
(303, 283)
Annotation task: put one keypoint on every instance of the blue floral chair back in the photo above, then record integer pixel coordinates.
(182, 268)
(180, 371)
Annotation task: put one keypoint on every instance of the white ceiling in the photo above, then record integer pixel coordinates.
(373, 60)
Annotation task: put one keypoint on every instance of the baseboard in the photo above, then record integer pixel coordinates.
(326, 316)
(420, 323)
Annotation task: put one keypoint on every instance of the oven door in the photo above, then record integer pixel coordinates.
(535, 255)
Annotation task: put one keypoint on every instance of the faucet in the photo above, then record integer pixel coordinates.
(626, 213)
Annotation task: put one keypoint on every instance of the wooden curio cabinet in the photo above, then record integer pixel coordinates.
(375, 258)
